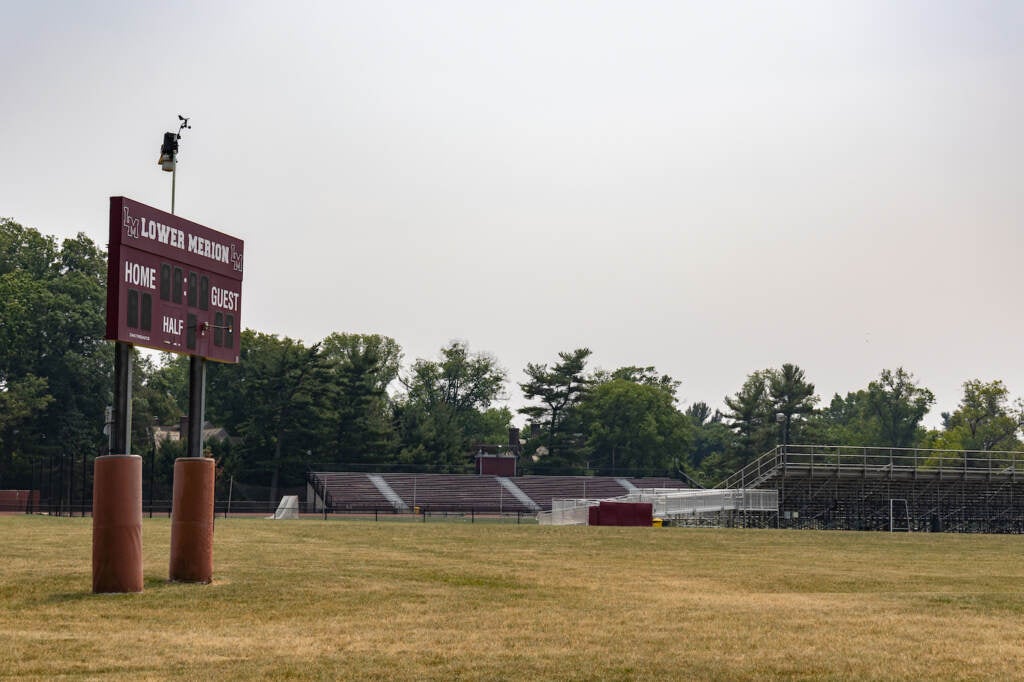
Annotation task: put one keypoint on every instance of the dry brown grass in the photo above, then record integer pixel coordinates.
(359, 600)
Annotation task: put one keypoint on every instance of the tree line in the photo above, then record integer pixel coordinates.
(351, 401)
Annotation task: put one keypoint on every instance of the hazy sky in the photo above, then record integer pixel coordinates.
(707, 187)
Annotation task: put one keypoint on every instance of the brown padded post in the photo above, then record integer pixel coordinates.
(192, 520)
(117, 524)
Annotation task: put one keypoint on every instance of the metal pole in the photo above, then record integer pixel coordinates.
(71, 485)
(84, 456)
(196, 404)
(152, 473)
(122, 426)
(60, 485)
(30, 507)
(174, 178)
(231, 489)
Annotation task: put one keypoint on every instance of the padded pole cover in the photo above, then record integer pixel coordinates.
(117, 524)
(192, 520)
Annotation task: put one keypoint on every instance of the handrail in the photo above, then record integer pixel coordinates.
(876, 458)
(320, 488)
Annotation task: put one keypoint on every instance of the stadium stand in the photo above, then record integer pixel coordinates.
(453, 492)
(851, 488)
(18, 500)
(348, 491)
(648, 483)
(544, 489)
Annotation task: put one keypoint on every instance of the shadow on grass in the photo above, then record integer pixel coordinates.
(149, 584)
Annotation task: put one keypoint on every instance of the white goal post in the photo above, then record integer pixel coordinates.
(288, 509)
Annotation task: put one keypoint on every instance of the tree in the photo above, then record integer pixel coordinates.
(165, 387)
(647, 376)
(711, 439)
(360, 367)
(898, 404)
(752, 418)
(274, 398)
(462, 380)
(984, 420)
(792, 398)
(558, 389)
(443, 405)
(633, 426)
(55, 367)
(700, 413)
(20, 400)
(844, 421)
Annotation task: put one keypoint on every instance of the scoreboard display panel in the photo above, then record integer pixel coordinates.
(172, 284)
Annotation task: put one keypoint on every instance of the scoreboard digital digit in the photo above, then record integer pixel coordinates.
(172, 284)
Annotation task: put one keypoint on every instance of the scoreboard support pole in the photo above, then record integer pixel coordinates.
(117, 495)
(122, 426)
(196, 404)
(193, 491)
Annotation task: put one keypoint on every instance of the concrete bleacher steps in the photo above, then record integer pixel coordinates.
(388, 492)
(518, 494)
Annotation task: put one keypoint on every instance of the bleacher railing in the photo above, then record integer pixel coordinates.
(865, 459)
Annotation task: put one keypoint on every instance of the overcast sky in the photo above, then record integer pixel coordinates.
(707, 187)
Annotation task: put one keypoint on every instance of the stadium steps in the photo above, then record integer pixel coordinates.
(388, 492)
(518, 494)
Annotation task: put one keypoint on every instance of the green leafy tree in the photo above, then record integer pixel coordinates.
(886, 413)
(20, 400)
(274, 398)
(898, 404)
(631, 426)
(711, 439)
(360, 367)
(985, 419)
(559, 390)
(751, 417)
(792, 400)
(490, 427)
(647, 376)
(443, 404)
(167, 386)
(55, 367)
(844, 421)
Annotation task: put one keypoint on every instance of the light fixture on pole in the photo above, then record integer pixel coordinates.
(168, 152)
(168, 160)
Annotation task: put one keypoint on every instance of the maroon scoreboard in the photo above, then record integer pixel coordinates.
(172, 284)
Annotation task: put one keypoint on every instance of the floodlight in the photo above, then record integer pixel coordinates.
(168, 152)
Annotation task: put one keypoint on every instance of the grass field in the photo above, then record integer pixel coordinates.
(359, 600)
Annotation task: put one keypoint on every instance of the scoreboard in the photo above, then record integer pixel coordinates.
(172, 284)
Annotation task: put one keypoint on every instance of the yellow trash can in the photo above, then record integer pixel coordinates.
(656, 523)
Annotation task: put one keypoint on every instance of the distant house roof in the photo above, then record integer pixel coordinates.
(173, 433)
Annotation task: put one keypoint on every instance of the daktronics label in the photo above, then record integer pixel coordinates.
(172, 284)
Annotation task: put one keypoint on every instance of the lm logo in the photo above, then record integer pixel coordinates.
(131, 225)
(236, 258)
